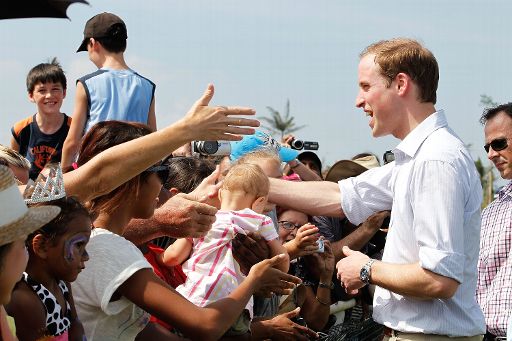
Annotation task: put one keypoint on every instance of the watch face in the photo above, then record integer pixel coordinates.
(364, 275)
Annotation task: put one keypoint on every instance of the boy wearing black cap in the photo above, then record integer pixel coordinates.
(114, 91)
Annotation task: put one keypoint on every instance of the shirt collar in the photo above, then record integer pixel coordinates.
(412, 142)
(506, 191)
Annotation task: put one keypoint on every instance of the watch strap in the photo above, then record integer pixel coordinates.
(366, 272)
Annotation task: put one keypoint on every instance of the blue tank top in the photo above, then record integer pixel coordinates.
(117, 95)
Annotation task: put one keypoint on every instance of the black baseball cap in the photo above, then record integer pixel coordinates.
(100, 26)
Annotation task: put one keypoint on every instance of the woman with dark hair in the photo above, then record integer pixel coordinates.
(115, 166)
(118, 288)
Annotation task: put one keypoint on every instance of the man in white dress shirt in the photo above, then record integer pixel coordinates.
(427, 277)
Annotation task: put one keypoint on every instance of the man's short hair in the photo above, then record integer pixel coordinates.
(116, 41)
(410, 57)
(491, 112)
(45, 73)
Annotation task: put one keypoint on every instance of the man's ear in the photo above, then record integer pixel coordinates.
(31, 97)
(403, 83)
(39, 246)
(259, 204)
(94, 43)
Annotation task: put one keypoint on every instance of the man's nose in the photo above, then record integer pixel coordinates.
(359, 101)
(491, 154)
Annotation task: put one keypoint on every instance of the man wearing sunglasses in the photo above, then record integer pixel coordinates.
(494, 266)
(426, 280)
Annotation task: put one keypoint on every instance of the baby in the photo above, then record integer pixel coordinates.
(212, 272)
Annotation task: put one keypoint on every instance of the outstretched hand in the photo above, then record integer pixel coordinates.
(186, 218)
(216, 123)
(249, 249)
(305, 241)
(269, 279)
(283, 328)
(207, 190)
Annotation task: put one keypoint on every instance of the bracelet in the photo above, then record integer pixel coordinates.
(326, 285)
(322, 303)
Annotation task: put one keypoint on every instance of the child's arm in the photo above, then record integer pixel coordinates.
(152, 115)
(277, 248)
(176, 253)
(76, 330)
(28, 312)
(72, 142)
(14, 145)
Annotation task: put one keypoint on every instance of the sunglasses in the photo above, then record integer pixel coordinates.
(288, 225)
(161, 171)
(496, 145)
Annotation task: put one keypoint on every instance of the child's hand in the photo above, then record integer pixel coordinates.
(305, 240)
(269, 279)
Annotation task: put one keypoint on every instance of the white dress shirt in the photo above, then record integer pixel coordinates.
(435, 192)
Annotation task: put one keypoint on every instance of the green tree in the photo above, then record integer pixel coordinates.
(487, 179)
(487, 101)
(284, 124)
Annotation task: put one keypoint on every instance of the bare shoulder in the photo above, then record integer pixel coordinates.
(27, 310)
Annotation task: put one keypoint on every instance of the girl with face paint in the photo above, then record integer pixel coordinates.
(42, 303)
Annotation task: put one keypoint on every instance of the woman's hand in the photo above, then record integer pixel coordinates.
(207, 191)
(325, 262)
(305, 241)
(269, 279)
(203, 122)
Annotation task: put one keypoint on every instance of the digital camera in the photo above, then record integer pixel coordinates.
(306, 145)
(211, 147)
(320, 243)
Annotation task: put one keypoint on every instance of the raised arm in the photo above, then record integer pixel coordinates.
(76, 130)
(311, 197)
(152, 115)
(119, 164)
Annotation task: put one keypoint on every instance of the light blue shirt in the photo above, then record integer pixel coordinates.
(117, 95)
(435, 192)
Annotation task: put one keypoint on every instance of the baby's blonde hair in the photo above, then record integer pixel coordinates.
(247, 177)
(260, 154)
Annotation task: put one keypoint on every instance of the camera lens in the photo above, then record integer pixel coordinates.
(297, 144)
(207, 147)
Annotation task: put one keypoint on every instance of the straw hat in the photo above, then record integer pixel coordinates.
(16, 219)
(344, 169)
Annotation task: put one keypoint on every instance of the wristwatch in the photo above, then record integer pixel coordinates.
(326, 285)
(366, 272)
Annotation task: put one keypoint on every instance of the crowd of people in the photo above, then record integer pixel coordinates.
(111, 229)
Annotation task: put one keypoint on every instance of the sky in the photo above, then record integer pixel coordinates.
(262, 53)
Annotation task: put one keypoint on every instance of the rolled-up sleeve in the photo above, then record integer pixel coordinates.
(363, 195)
(438, 204)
